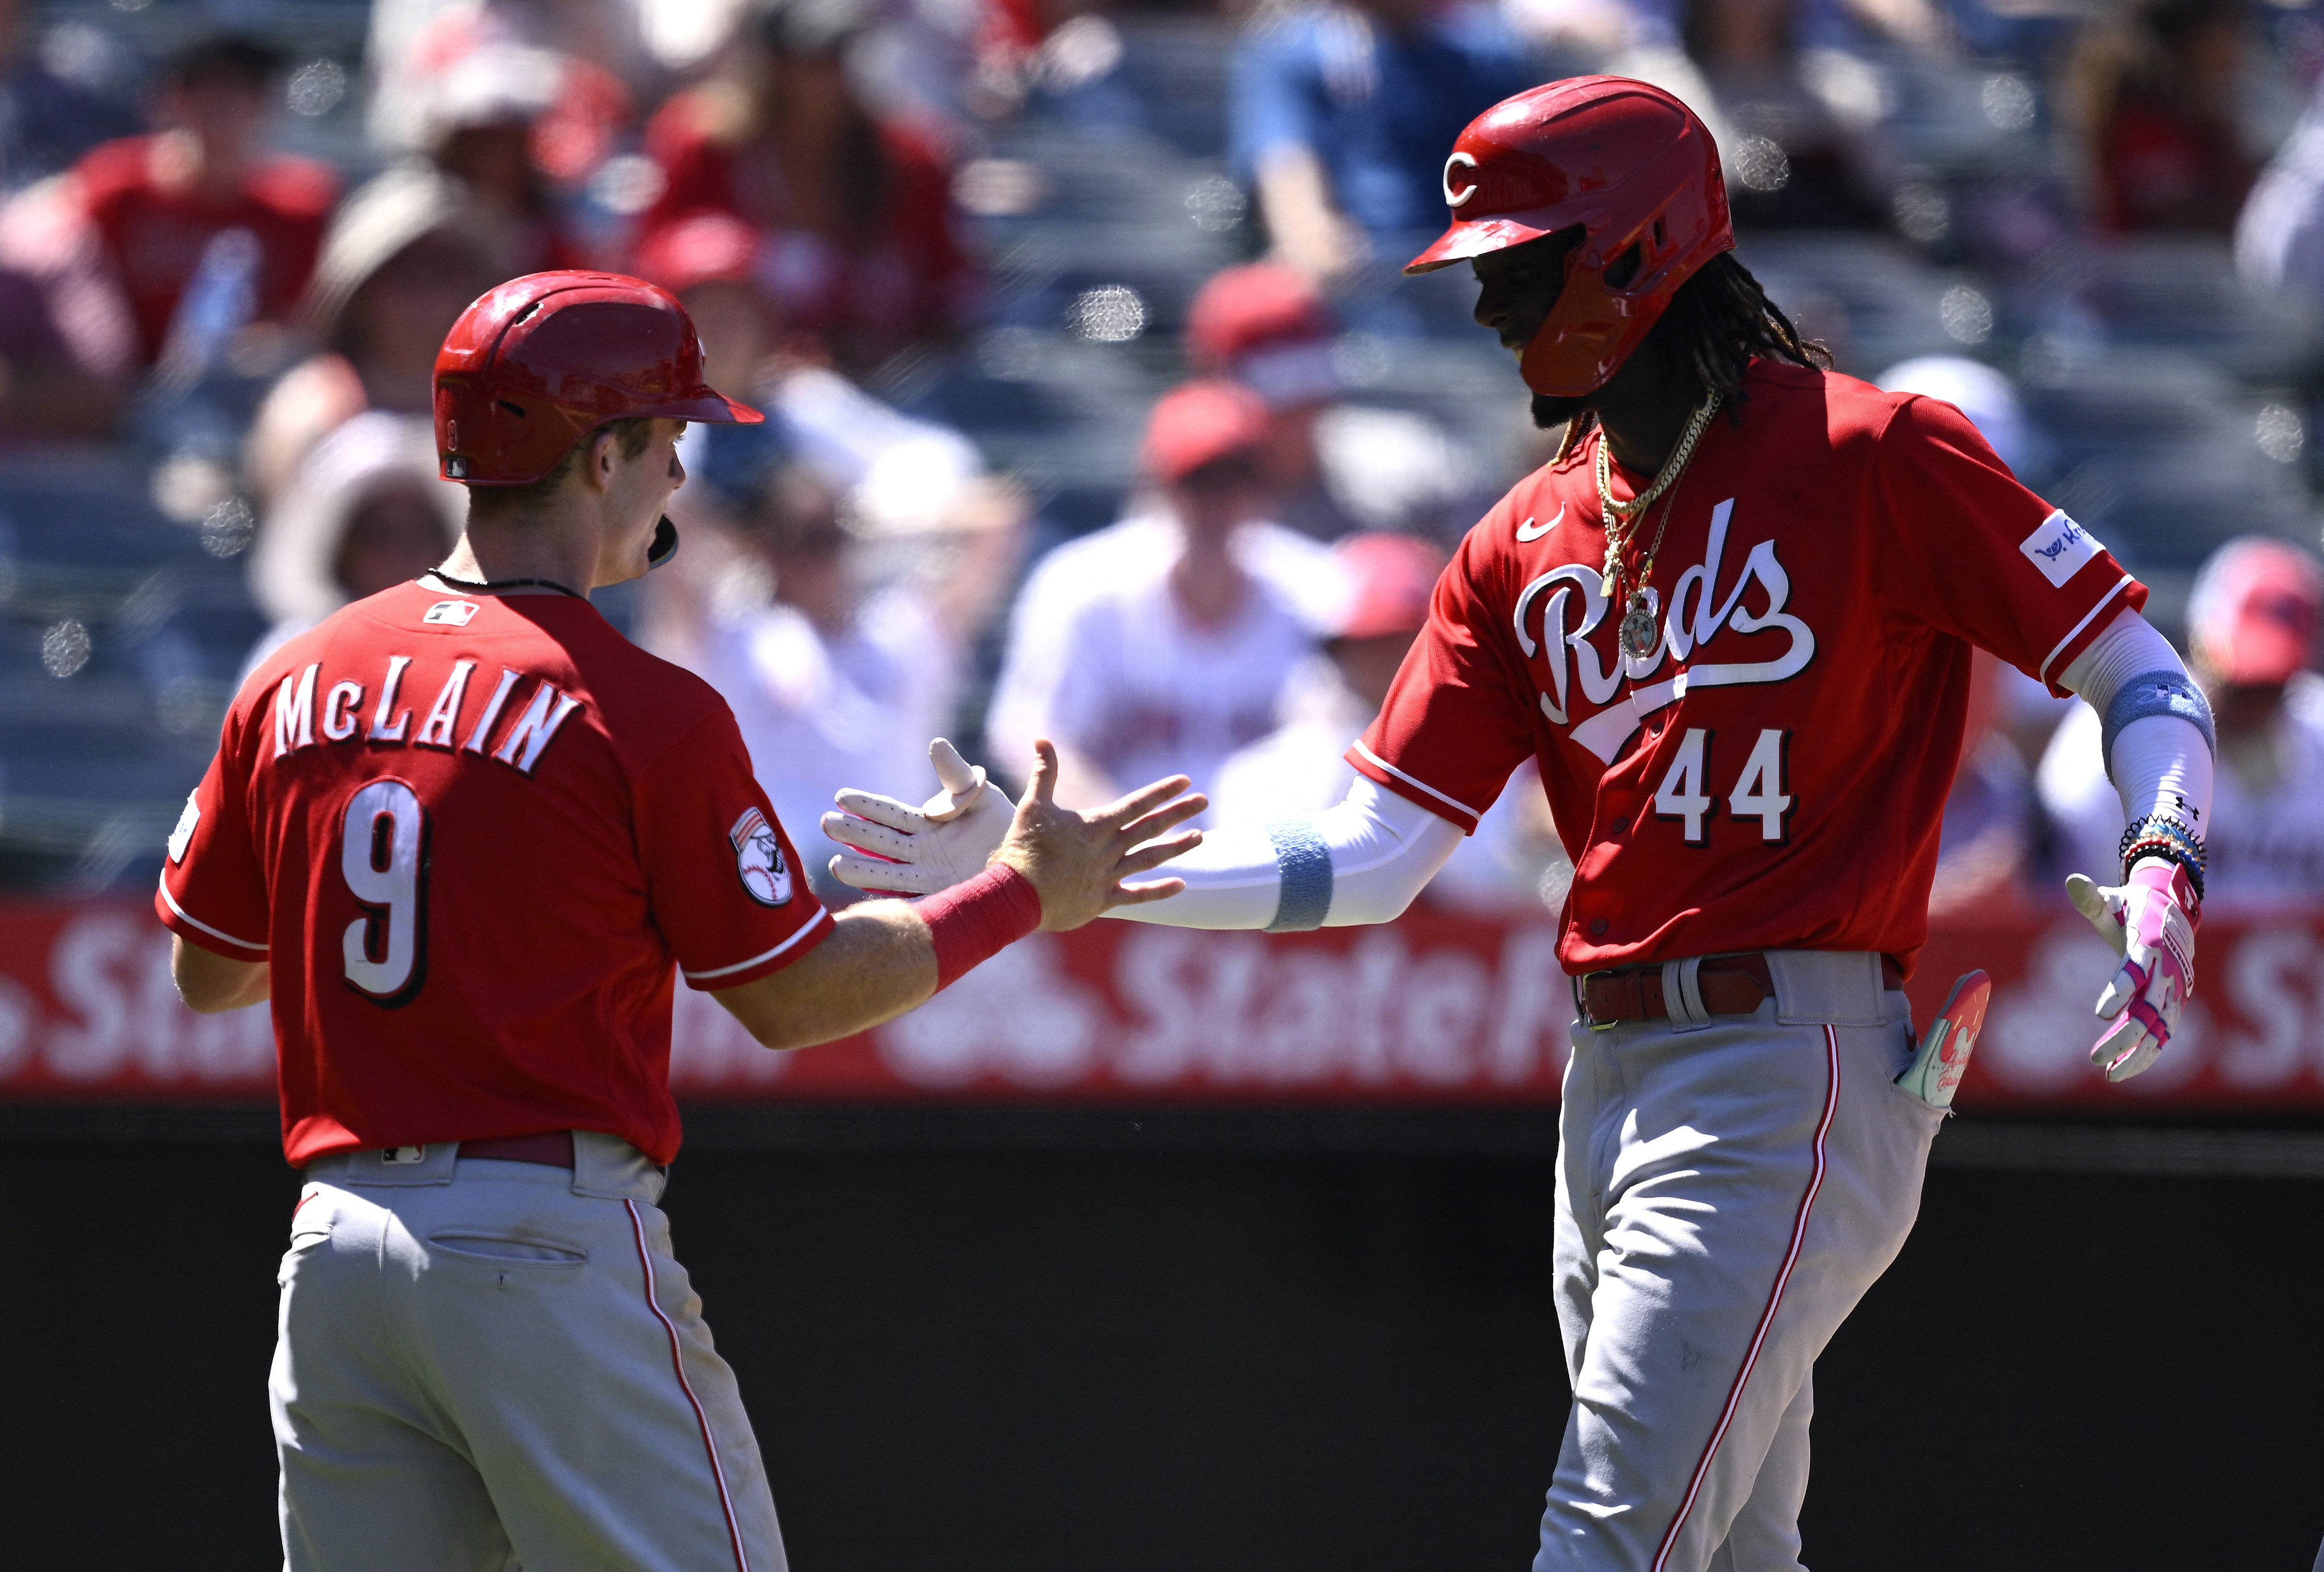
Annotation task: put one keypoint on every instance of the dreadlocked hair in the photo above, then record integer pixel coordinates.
(1719, 322)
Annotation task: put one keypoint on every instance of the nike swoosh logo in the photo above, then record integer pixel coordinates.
(1529, 530)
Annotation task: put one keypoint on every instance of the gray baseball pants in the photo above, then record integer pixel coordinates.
(489, 1366)
(1728, 1188)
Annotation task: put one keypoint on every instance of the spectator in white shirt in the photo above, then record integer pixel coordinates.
(841, 558)
(1299, 767)
(1165, 641)
(835, 680)
(2280, 232)
(1513, 860)
(2251, 623)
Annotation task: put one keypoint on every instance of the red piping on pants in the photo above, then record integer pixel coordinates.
(677, 1363)
(1767, 1316)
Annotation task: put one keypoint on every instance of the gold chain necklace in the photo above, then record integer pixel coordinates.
(1638, 634)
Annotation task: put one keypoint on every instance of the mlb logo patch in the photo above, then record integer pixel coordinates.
(2058, 548)
(451, 613)
(759, 859)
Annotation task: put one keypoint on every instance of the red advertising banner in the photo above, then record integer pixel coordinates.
(1435, 1008)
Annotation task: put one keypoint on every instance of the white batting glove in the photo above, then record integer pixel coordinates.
(930, 848)
(2147, 919)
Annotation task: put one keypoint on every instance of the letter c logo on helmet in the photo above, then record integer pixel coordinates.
(1459, 161)
(1629, 166)
(535, 365)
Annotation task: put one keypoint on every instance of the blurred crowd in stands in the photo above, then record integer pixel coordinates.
(1098, 409)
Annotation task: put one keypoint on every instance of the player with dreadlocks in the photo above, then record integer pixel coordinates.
(1719, 322)
(1738, 651)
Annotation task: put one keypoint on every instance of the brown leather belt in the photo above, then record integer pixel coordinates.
(1730, 985)
(550, 1148)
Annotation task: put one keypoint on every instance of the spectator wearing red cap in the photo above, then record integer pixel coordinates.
(1301, 766)
(1172, 634)
(1331, 467)
(857, 214)
(2252, 624)
(1298, 766)
(897, 476)
(158, 203)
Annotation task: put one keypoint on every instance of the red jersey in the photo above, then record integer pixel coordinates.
(154, 237)
(470, 835)
(909, 280)
(1774, 774)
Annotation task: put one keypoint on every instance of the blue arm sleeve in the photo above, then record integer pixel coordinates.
(2156, 692)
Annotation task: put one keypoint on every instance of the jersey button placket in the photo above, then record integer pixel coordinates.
(1598, 928)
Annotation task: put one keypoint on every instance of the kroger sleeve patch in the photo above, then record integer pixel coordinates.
(2058, 547)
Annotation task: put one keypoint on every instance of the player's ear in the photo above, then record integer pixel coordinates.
(597, 452)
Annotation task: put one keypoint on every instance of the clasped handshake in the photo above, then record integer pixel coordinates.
(1079, 863)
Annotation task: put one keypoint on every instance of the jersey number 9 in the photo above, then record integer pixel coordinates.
(384, 857)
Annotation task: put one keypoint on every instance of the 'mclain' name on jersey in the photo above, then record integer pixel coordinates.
(342, 714)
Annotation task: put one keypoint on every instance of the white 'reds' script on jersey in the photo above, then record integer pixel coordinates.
(1604, 732)
(538, 719)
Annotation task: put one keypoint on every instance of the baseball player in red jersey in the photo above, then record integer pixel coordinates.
(460, 836)
(1732, 620)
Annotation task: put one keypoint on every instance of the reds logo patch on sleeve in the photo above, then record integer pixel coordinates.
(759, 859)
(2058, 547)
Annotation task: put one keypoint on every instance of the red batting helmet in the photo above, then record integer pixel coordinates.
(1629, 164)
(539, 362)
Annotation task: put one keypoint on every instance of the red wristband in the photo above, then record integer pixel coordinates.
(978, 918)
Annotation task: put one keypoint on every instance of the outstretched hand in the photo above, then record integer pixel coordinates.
(893, 847)
(1078, 862)
(2146, 920)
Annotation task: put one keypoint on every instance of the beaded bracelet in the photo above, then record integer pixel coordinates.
(2171, 839)
(2163, 827)
(2165, 824)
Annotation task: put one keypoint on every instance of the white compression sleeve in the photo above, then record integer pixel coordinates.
(2160, 762)
(1362, 861)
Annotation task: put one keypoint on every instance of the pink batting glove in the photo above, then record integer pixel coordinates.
(2149, 919)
